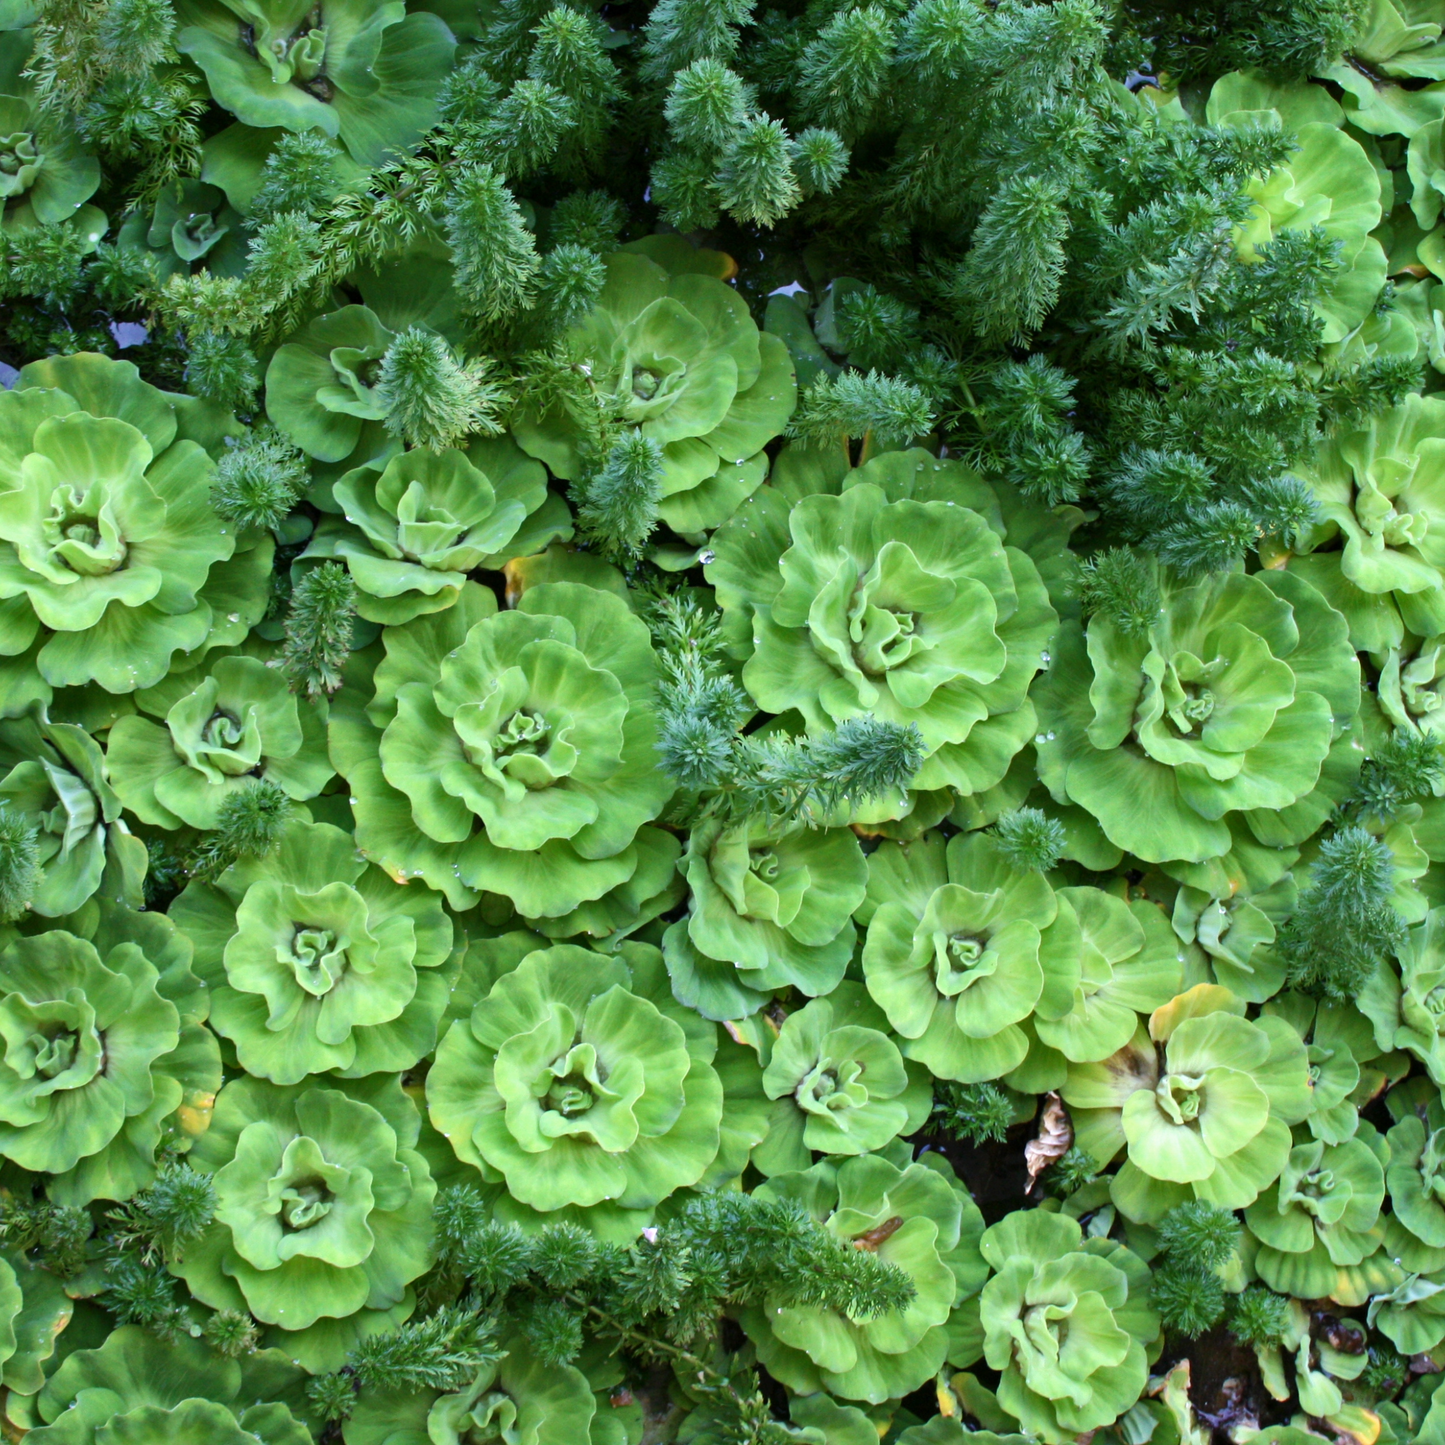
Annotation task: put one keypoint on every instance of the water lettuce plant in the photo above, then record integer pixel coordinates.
(1317, 1224)
(517, 1398)
(509, 751)
(676, 356)
(364, 71)
(578, 1080)
(1226, 708)
(1374, 486)
(105, 1046)
(1066, 1322)
(417, 525)
(916, 1218)
(137, 1388)
(840, 1084)
(1406, 1007)
(322, 1213)
(236, 723)
(891, 599)
(1201, 1101)
(770, 908)
(317, 962)
(56, 782)
(961, 950)
(112, 561)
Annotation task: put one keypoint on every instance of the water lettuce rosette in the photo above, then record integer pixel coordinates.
(1201, 1102)
(1415, 1175)
(961, 951)
(364, 70)
(317, 962)
(1381, 500)
(1226, 710)
(417, 523)
(1066, 1322)
(1326, 182)
(321, 384)
(1235, 924)
(221, 730)
(191, 221)
(580, 1081)
(1128, 965)
(46, 175)
(137, 1389)
(839, 1083)
(1318, 1225)
(55, 780)
(916, 1217)
(770, 907)
(516, 1400)
(104, 1044)
(676, 355)
(512, 752)
(1407, 1007)
(1340, 1044)
(323, 1211)
(894, 598)
(112, 559)
(1411, 686)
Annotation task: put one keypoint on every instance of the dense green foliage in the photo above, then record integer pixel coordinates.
(722, 722)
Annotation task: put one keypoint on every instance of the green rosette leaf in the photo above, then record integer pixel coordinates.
(894, 599)
(321, 384)
(1411, 687)
(1340, 1044)
(517, 1401)
(55, 778)
(1411, 1315)
(172, 1104)
(958, 967)
(83, 1035)
(917, 1218)
(139, 1390)
(1230, 705)
(363, 70)
(840, 1084)
(1416, 1179)
(1128, 964)
(1320, 1221)
(686, 365)
(1066, 1322)
(235, 724)
(318, 962)
(323, 1210)
(414, 526)
(770, 908)
(580, 1081)
(1407, 1008)
(1201, 1101)
(516, 750)
(1381, 527)
(110, 552)
(45, 173)
(1235, 930)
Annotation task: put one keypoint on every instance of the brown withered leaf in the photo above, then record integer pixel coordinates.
(879, 1234)
(1055, 1136)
